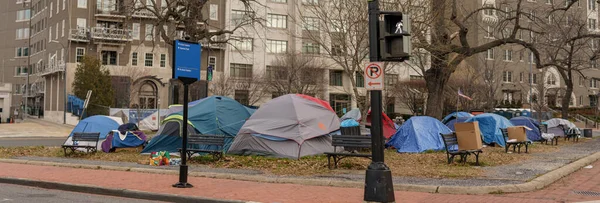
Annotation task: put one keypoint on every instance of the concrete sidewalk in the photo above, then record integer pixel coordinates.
(135, 184)
(34, 128)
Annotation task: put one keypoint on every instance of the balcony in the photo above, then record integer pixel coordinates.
(112, 34)
(79, 35)
(110, 13)
(143, 14)
(53, 68)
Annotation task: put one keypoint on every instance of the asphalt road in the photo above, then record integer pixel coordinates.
(14, 193)
(31, 141)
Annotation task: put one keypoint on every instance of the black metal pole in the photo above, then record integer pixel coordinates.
(378, 178)
(183, 168)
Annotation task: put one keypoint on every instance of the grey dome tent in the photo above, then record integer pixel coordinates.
(289, 126)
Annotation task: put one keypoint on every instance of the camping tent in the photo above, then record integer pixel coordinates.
(218, 115)
(95, 124)
(388, 125)
(289, 126)
(489, 125)
(534, 134)
(554, 126)
(450, 123)
(454, 115)
(116, 139)
(168, 137)
(418, 134)
(352, 114)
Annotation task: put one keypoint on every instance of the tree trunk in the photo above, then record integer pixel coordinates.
(566, 99)
(435, 79)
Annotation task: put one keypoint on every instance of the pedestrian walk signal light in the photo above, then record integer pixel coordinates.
(395, 31)
(209, 73)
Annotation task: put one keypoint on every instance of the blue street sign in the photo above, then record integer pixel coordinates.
(186, 60)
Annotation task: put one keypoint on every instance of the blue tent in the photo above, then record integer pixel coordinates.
(168, 137)
(418, 134)
(534, 134)
(451, 122)
(490, 125)
(101, 124)
(218, 115)
(454, 115)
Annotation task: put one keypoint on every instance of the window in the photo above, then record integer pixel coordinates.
(532, 15)
(51, 7)
(276, 46)
(279, 1)
(311, 23)
(591, 24)
(509, 12)
(550, 19)
(57, 6)
(239, 70)
(592, 5)
(311, 48)
(567, 2)
(22, 33)
(149, 32)
(310, 2)
(109, 57)
(64, 4)
(489, 54)
(489, 31)
(581, 80)
(335, 78)
(593, 64)
(62, 32)
(82, 3)
(79, 52)
(390, 80)
(360, 80)
(339, 102)
(241, 96)
(569, 21)
(276, 73)
(521, 76)
(239, 17)
(488, 11)
(531, 57)
(593, 83)
(134, 59)
(25, 15)
(214, 12)
(276, 21)
(336, 50)
(242, 43)
(136, 31)
(56, 30)
(148, 60)
(533, 78)
(550, 1)
(22, 51)
(551, 80)
(508, 55)
(507, 76)
(416, 77)
(81, 23)
(163, 60)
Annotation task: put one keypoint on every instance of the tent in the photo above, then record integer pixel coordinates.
(557, 126)
(451, 122)
(419, 134)
(289, 126)
(116, 139)
(454, 115)
(168, 137)
(218, 115)
(534, 134)
(490, 125)
(388, 125)
(352, 114)
(95, 124)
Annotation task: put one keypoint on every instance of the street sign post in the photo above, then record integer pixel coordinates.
(186, 68)
(374, 76)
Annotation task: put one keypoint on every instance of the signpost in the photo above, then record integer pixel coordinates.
(86, 103)
(374, 76)
(186, 68)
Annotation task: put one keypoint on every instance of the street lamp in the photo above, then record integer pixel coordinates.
(4, 67)
(64, 80)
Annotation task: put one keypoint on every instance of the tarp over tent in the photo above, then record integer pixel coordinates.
(352, 114)
(554, 126)
(289, 126)
(116, 139)
(534, 134)
(419, 134)
(489, 125)
(95, 124)
(168, 137)
(388, 125)
(454, 115)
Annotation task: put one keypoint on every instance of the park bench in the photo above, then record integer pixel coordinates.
(451, 140)
(347, 141)
(572, 133)
(83, 137)
(514, 144)
(207, 140)
(544, 129)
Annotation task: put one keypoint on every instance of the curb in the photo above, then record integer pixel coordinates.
(535, 184)
(125, 193)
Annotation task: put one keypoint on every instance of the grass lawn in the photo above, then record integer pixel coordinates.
(430, 164)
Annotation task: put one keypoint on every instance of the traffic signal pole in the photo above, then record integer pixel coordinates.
(378, 178)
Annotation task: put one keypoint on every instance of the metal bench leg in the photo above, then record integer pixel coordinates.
(506, 148)
(477, 158)
(335, 161)
(519, 148)
(451, 159)
(329, 161)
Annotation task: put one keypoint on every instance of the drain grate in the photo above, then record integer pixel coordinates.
(587, 193)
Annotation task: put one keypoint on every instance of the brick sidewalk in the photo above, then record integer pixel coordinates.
(586, 179)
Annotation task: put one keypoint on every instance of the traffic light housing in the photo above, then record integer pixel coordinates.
(395, 36)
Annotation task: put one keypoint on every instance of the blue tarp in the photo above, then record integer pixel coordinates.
(418, 134)
(218, 115)
(454, 115)
(349, 123)
(450, 123)
(489, 125)
(101, 124)
(534, 134)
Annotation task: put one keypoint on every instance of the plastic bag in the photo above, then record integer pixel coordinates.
(349, 123)
(159, 158)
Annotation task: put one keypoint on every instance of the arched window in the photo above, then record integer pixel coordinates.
(147, 95)
(551, 79)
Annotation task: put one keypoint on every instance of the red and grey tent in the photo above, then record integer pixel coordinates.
(388, 125)
(289, 126)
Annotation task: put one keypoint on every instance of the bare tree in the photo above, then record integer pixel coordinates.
(253, 88)
(411, 94)
(133, 73)
(296, 74)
